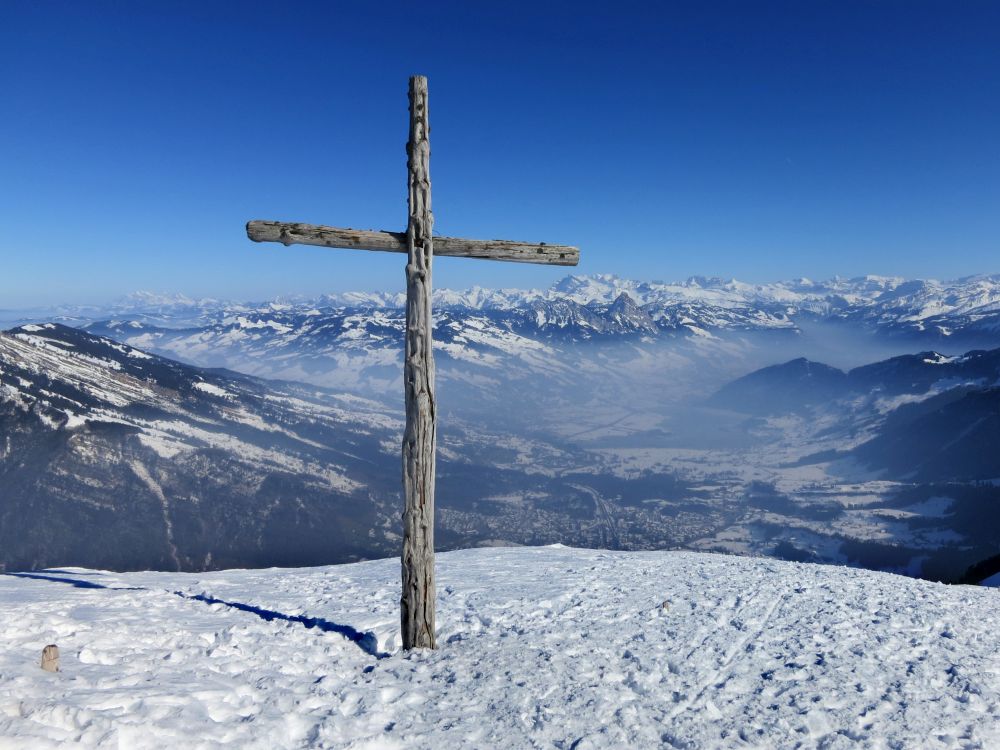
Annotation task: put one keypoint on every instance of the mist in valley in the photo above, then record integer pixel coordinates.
(716, 428)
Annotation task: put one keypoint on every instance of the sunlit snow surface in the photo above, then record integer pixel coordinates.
(539, 647)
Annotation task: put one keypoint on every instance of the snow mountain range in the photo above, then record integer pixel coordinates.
(601, 336)
(200, 434)
(603, 304)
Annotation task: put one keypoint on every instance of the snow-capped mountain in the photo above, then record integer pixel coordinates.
(354, 340)
(163, 465)
(878, 301)
(539, 647)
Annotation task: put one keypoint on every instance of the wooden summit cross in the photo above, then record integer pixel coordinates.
(420, 436)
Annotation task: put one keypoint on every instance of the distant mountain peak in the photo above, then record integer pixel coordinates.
(147, 298)
(624, 301)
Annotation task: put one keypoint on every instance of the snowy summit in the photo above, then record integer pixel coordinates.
(540, 647)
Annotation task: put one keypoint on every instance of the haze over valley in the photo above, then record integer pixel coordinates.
(844, 421)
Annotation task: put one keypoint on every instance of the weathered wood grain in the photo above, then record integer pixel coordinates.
(289, 233)
(420, 435)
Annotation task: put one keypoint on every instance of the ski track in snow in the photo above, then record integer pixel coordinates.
(539, 648)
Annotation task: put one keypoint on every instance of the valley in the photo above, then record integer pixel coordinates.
(600, 413)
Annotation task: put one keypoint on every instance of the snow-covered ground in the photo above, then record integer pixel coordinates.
(539, 648)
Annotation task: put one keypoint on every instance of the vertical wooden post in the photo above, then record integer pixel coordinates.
(420, 436)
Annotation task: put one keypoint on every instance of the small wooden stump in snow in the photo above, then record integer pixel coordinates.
(50, 658)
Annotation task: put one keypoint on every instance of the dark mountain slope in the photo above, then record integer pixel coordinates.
(800, 384)
(115, 458)
(788, 387)
(952, 436)
(918, 373)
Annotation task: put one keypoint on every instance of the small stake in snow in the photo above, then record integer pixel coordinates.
(50, 658)
(420, 435)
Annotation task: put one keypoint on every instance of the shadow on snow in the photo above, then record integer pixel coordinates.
(366, 641)
(76, 582)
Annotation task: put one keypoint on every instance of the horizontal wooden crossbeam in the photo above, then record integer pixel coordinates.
(395, 242)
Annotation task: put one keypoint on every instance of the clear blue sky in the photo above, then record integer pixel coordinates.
(756, 140)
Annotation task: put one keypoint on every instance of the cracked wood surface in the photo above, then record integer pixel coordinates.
(420, 434)
(291, 233)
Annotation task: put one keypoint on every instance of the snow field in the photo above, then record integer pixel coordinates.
(539, 648)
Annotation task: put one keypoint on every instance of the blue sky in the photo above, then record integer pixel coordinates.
(756, 140)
